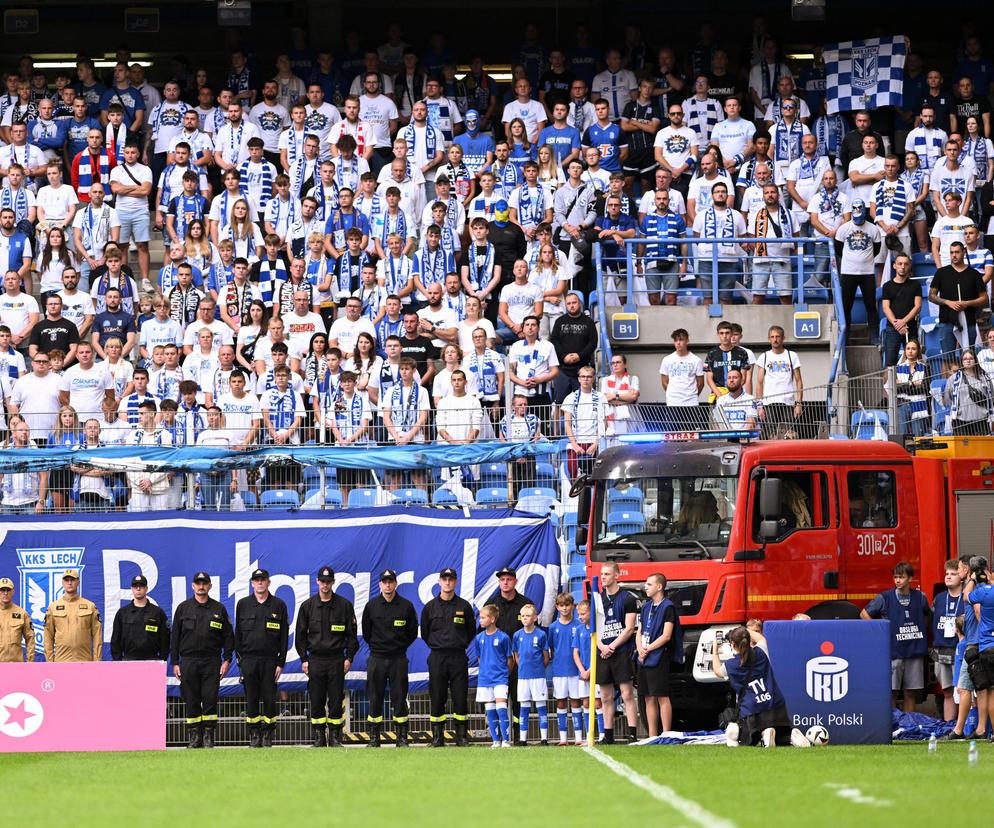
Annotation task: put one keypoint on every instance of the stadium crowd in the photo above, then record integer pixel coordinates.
(373, 248)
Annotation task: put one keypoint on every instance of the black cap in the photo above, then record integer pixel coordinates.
(139, 580)
(260, 575)
(506, 571)
(326, 573)
(448, 572)
(388, 575)
(201, 576)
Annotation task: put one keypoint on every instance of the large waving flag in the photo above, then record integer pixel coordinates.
(865, 74)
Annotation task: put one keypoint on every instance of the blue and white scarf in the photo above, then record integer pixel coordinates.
(928, 148)
(531, 423)
(914, 180)
(282, 408)
(18, 202)
(319, 195)
(908, 372)
(410, 136)
(267, 181)
(976, 148)
(372, 207)
(711, 229)
(433, 265)
(348, 416)
(269, 274)
(486, 369)
(283, 213)
(830, 130)
(396, 274)
(347, 173)
(788, 145)
(85, 171)
(393, 224)
(476, 269)
(404, 416)
(387, 327)
(530, 211)
(891, 196)
(303, 171)
(348, 269)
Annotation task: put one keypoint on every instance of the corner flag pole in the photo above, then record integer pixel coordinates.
(595, 609)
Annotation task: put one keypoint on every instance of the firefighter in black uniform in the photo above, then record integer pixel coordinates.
(141, 629)
(389, 627)
(509, 602)
(202, 641)
(327, 640)
(448, 626)
(262, 631)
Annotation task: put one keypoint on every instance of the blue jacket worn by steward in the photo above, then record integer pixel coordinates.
(326, 629)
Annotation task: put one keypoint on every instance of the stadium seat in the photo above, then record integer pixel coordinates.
(280, 499)
(866, 423)
(249, 499)
(311, 476)
(577, 570)
(545, 475)
(411, 497)
(493, 474)
(569, 525)
(361, 497)
(491, 497)
(630, 497)
(625, 523)
(332, 498)
(538, 500)
(444, 497)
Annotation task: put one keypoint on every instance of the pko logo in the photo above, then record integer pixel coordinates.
(826, 678)
(41, 582)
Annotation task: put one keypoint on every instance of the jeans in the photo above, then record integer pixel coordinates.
(916, 428)
(215, 491)
(728, 274)
(948, 339)
(893, 343)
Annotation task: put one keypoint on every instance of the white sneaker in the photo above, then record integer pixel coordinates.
(505, 744)
(732, 734)
(495, 745)
(769, 737)
(600, 737)
(563, 740)
(580, 741)
(798, 739)
(147, 286)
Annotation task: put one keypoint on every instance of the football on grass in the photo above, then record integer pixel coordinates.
(817, 735)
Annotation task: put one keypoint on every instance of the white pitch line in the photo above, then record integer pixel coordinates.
(686, 807)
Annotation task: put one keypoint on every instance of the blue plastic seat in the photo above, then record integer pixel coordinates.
(280, 499)
(249, 499)
(361, 497)
(863, 424)
(625, 523)
(491, 497)
(537, 499)
(332, 498)
(411, 497)
(627, 498)
(545, 475)
(444, 497)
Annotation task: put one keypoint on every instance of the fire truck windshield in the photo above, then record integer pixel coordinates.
(664, 518)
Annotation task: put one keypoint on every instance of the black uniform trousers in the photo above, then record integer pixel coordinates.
(259, 678)
(199, 687)
(448, 670)
(379, 671)
(326, 688)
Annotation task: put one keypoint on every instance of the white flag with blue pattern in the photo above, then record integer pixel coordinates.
(865, 74)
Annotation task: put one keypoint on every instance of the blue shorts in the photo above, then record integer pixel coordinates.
(134, 227)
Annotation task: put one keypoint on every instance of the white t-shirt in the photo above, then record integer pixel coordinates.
(86, 389)
(734, 412)
(857, 247)
(155, 333)
(806, 184)
(520, 300)
(864, 166)
(466, 333)
(699, 191)
(616, 88)
(56, 201)
(531, 112)
(270, 120)
(377, 112)
(732, 136)
(531, 361)
(96, 227)
(829, 214)
(127, 205)
(231, 143)
(239, 415)
(676, 144)
(37, 400)
(587, 413)
(943, 180)
(222, 333)
(948, 230)
(271, 402)
(76, 307)
(300, 329)
(778, 379)
(345, 332)
(443, 318)
(647, 204)
(683, 372)
(613, 384)
(14, 310)
(458, 416)
(319, 120)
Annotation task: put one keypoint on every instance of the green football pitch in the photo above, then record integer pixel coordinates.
(709, 787)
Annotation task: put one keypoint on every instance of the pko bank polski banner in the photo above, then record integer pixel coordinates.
(835, 674)
(169, 547)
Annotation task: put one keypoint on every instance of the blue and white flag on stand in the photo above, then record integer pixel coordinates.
(865, 74)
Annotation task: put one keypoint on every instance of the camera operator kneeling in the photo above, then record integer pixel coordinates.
(980, 656)
(763, 715)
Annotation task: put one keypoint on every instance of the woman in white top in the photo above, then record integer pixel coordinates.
(484, 367)
(471, 322)
(442, 384)
(552, 279)
(365, 363)
(216, 488)
(200, 251)
(52, 260)
(121, 370)
(243, 232)
(550, 174)
(620, 389)
(255, 325)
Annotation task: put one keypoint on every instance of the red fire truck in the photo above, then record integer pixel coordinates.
(768, 529)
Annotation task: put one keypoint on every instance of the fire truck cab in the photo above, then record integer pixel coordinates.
(769, 529)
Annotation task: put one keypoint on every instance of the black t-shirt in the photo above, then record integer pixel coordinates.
(420, 349)
(719, 362)
(722, 87)
(901, 296)
(50, 334)
(959, 285)
(509, 244)
(556, 87)
(965, 107)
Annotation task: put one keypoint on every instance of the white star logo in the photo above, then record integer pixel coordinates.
(20, 715)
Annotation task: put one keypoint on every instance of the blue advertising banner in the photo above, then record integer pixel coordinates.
(169, 547)
(835, 674)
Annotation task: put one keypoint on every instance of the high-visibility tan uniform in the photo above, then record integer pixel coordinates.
(16, 630)
(73, 631)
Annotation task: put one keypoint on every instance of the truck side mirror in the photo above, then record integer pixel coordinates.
(581, 537)
(769, 530)
(583, 507)
(770, 499)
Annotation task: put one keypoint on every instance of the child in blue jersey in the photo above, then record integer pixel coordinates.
(947, 606)
(565, 673)
(531, 654)
(763, 716)
(581, 657)
(496, 661)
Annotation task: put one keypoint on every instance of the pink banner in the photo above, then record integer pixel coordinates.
(115, 705)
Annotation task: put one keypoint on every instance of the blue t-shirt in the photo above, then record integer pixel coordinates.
(562, 141)
(581, 643)
(129, 97)
(945, 608)
(906, 614)
(754, 684)
(117, 323)
(530, 647)
(652, 619)
(519, 156)
(610, 248)
(983, 596)
(474, 150)
(561, 643)
(609, 140)
(494, 652)
(958, 660)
